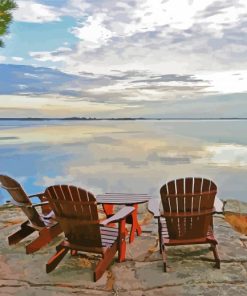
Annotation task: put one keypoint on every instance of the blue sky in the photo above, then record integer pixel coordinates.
(125, 58)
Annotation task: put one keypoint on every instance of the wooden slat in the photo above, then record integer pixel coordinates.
(171, 188)
(180, 190)
(187, 214)
(208, 200)
(76, 199)
(191, 194)
(52, 196)
(71, 202)
(198, 182)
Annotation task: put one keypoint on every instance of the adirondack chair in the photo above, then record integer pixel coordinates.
(186, 218)
(77, 213)
(47, 227)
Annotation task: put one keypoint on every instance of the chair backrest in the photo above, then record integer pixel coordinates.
(77, 213)
(188, 206)
(19, 196)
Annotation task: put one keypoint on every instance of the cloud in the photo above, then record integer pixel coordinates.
(34, 12)
(2, 58)
(227, 155)
(145, 54)
(156, 36)
(226, 82)
(120, 87)
(57, 55)
(17, 59)
(37, 80)
(93, 33)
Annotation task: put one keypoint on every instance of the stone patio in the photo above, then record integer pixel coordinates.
(190, 268)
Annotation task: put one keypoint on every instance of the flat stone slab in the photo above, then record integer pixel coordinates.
(235, 206)
(190, 268)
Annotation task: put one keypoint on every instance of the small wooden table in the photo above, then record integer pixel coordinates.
(108, 200)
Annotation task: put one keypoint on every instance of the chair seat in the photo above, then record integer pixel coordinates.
(108, 235)
(180, 241)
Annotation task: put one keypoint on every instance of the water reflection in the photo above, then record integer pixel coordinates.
(136, 156)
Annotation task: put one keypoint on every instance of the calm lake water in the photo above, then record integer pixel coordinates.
(124, 156)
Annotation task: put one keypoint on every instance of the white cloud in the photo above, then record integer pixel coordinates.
(2, 59)
(22, 86)
(17, 59)
(227, 155)
(58, 55)
(92, 32)
(31, 75)
(205, 39)
(160, 36)
(34, 12)
(226, 82)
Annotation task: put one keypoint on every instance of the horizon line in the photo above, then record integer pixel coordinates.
(120, 118)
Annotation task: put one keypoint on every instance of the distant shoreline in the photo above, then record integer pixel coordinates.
(114, 118)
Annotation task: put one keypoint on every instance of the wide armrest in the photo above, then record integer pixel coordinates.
(120, 215)
(51, 215)
(153, 207)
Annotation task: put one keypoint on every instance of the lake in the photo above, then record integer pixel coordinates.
(125, 156)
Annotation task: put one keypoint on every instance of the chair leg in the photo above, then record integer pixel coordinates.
(105, 261)
(73, 252)
(135, 227)
(216, 255)
(164, 256)
(55, 259)
(20, 234)
(45, 236)
(160, 236)
(121, 241)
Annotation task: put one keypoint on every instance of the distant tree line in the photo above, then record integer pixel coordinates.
(6, 8)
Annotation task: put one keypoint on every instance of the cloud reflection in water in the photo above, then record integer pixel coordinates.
(125, 156)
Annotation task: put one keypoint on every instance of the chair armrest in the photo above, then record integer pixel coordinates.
(51, 215)
(38, 204)
(120, 215)
(19, 204)
(36, 194)
(28, 204)
(153, 207)
(219, 205)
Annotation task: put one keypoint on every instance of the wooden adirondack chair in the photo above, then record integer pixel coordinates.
(188, 206)
(77, 213)
(47, 227)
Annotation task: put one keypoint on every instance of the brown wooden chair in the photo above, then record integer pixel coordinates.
(77, 213)
(186, 218)
(47, 227)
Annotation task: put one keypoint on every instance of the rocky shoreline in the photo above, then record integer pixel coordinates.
(190, 268)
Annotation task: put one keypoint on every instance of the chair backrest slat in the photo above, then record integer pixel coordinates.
(190, 195)
(19, 195)
(76, 211)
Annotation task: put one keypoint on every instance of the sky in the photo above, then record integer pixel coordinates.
(132, 58)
